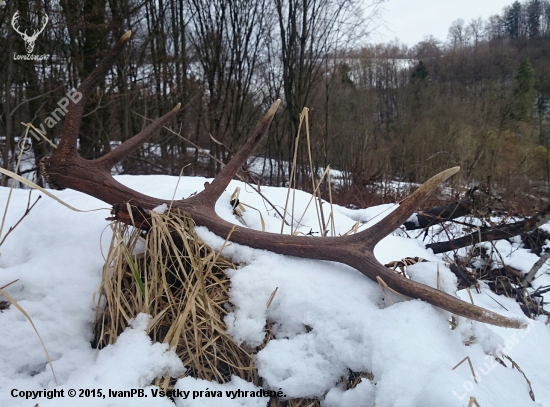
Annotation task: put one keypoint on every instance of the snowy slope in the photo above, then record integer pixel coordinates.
(328, 318)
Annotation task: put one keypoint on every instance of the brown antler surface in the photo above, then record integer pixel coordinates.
(66, 169)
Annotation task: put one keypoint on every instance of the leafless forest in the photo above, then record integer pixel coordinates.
(377, 112)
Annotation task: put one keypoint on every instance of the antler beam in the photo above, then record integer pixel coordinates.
(66, 169)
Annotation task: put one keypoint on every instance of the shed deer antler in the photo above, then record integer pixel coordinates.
(66, 169)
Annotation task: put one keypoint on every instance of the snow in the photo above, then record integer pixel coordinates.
(161, 209)
(327, 317)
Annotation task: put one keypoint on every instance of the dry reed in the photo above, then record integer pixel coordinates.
(180, 282)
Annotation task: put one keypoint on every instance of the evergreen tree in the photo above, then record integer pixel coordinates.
(534, 12)
(419, 73)
(345, 77)
(512, 20)
(524, 93)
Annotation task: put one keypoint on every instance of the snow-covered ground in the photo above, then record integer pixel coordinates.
(328, 319)
(258, 165)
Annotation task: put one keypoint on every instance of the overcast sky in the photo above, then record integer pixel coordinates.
(413, 20)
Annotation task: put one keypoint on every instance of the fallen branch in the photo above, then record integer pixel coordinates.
(487, 233)
(536, 267)
(429, 217)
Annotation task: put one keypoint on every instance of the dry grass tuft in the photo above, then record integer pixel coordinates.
(180, 281)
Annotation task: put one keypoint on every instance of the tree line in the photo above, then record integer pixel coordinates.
(376, 111)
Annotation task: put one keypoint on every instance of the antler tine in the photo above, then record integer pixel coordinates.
(368, 265)
(218, 185)
(370, 237)
(73, 118)
(15, 22)
(118, 154)
(39, 31)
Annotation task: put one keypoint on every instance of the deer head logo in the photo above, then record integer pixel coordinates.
(29, 39)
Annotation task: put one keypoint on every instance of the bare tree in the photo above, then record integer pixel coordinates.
(7, 106)
(457, 33)
(308, 32)
(475, 30)
(227, 40)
